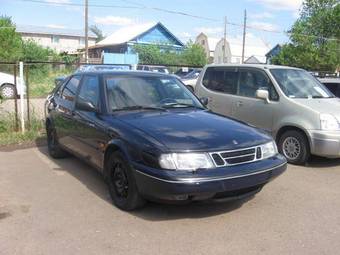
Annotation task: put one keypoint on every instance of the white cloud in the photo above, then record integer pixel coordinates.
(261, 15)
(55, 26)
(185, 34)
(288, 5)
(114, 20)
(263, 25)
(209, 30)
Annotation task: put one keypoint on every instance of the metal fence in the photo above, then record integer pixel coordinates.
(39, 78)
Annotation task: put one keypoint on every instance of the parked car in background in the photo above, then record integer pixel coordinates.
(183, 71)
(7, 87)
(191, 78)
(153, 139)
(333, 84)
(157, 69)
(289, 103)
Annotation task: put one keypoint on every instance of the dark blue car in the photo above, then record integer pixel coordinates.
(152, 139)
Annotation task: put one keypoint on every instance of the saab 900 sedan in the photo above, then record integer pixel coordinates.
(152, 139)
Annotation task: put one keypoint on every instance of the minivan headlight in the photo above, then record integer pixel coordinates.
(185, 161)
(329, 122)
(269, 150)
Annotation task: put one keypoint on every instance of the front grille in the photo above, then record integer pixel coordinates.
(235, 157)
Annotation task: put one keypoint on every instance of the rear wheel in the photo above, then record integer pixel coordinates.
(294, 146)
(54, 148)
(7, 91)
(122, 184)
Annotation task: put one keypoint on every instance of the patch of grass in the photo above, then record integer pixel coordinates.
(8, 134)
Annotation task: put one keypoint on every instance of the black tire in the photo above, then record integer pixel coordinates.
(122, 184)
(294, 145)
(54, 148)
(7, 91)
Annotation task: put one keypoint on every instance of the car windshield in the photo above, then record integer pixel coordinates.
(299, 84)
(142, 92)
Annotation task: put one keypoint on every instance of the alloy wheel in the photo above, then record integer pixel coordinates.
(7, 92)
(291, 148)
(120, 181)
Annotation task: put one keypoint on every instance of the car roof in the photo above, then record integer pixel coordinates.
(131, 73)
(259, 66)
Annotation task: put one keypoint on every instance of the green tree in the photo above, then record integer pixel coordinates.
(98, 32)
(10, 41)
(194, 55)
(315, 37)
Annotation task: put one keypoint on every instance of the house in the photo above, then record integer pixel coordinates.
(252, 60)
(255, 49)
(273, 52)
(124, 39)
(59, 39)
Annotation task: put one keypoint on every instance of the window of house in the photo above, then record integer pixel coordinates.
(55, 39)
(203, 42)
(69, 91)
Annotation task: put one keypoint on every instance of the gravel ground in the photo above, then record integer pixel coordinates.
(63, 207)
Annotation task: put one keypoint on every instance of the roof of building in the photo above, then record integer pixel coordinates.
(276, 47)
(130, 33)
(252, 60)
(29, 29)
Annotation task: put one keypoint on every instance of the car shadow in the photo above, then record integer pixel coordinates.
(94, 181)
(321, 162)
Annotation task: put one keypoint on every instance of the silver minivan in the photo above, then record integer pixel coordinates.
(289, 103)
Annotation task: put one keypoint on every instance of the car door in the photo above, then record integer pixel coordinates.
(220, 86)
(247, 107)
(90, 129)
(63, 117)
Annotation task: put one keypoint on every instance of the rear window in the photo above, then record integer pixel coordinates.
(221, 79)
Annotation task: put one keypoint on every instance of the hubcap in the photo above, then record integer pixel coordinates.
(120, 181)
(7, 92)
(291, 148)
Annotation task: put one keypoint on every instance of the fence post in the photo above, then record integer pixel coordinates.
(28, 98)
(22, 91)
(15, 97)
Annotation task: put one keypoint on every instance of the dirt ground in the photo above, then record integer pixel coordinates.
(63, 207)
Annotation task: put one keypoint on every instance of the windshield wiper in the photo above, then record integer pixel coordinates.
(181, 105)
(140, 107)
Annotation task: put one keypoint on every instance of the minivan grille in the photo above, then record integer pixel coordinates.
(235, 157)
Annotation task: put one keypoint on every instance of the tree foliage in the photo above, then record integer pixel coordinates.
(192, 55)
(315, 37)
(10, 41)
(98, 32)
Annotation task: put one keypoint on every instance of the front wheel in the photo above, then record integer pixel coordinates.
(122, 184)
(294, 146)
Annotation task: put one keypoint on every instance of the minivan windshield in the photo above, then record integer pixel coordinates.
(148, 93)
(299, 84)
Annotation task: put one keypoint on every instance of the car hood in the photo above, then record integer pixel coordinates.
(325, 105)
(195, 130)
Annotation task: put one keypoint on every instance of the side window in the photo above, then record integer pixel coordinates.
(89, 90)
(70, 89)
(221, 80)
(252, 80)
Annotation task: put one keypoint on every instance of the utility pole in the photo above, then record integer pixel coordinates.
(86, 31)
(244, 34)
(224, 38)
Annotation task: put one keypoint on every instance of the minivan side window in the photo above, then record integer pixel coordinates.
(69, 91)
(252, 80)
(89, 90)
(221, 79)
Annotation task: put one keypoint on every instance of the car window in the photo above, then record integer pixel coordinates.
(89, 90)
(221, 79)
(333, 87)
(70, 89)
(252, 80)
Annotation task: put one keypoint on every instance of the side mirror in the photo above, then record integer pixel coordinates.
(86, 106)
(204, 101)
(263, 94)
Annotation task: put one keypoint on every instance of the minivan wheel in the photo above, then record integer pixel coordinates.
(7, 91)
(122, 184)
(53, 146)
(294, 146)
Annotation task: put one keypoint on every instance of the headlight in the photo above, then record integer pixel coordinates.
(329, 122)
(268, 150)
(185, 161)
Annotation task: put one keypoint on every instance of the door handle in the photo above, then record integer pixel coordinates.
(239, 103)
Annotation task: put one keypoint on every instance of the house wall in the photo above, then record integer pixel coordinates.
(218, 53)
(65, 44)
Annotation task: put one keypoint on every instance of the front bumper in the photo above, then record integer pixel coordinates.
(325, 143)
(205, 184)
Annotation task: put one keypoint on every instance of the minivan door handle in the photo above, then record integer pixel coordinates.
(239, 103)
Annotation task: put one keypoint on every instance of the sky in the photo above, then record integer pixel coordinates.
(275, 16)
